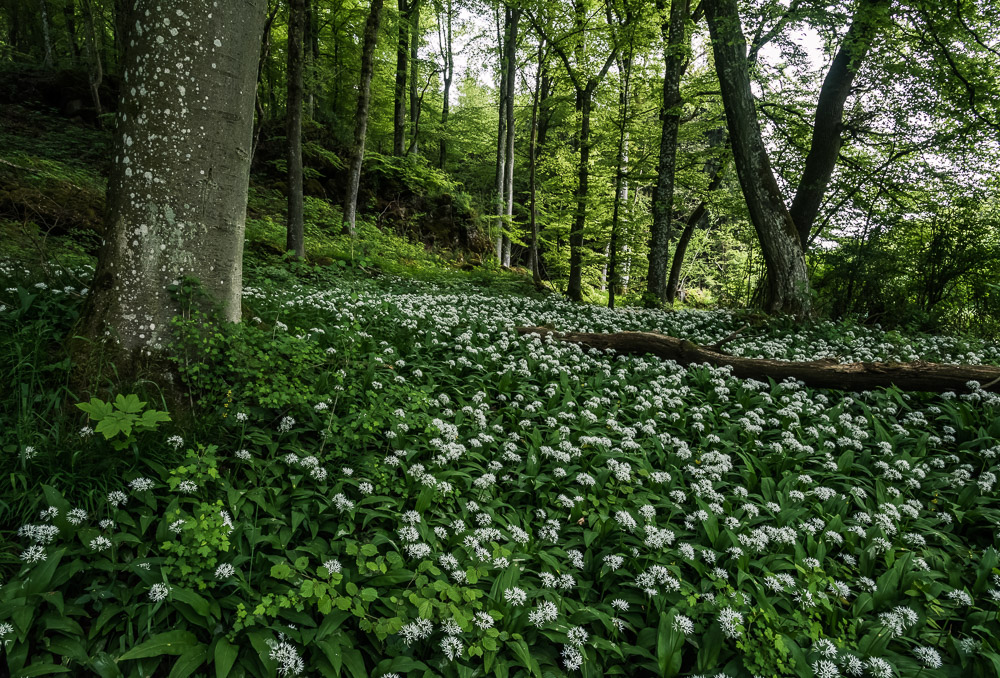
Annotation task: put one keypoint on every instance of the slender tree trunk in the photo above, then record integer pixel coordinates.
(448, 57)
(295, 241)
(787, 276)
(96, 75)
(675, 34)
(265, 51)
(43, 6)
(399, 101)
(533, 252)
(361, 117)
(122, 10)
(510, 60)
(574, 289)
(501, 166)
(69, 12)
(176, 203)
(414, 64)
(308, 59)
(623, 101)
(828, 124)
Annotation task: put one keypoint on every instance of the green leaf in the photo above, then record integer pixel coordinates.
(225, 657)
(96, 409)
(355, 663)
(43, 670)
(189, 662)
(129, 404)
(171, 642)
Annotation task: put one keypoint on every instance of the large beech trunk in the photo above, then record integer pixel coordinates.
(177, 195)
(915, 376)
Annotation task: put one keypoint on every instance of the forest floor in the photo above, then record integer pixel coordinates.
(375, 475)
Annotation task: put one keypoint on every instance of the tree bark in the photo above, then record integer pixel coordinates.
(916, 376)
(714, 167)
(43, 6)
(787, 276)
(399, 94)
(824, 149)
(670, 115)
(447, 75)
(501, 164)
(414, 19)
(621, 194)
(96, 75)
(177, 193)
(533, 262)
(361, 116)
(295, 237)
(510, 62)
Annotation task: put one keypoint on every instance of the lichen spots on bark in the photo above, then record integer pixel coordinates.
(177, 192)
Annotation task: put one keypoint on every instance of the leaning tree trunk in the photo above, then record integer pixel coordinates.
(670, 115)
(295, 236)
(361, 116)
(916, 376)
(177, 194)
(399, 93)
(714, 167)
(826, 140)
(787, 276)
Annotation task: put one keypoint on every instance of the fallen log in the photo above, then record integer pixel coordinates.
(828, 373)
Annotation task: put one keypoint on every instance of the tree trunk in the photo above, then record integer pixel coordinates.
(69, 12)
(623, 101)
(825, 146)
(177, 193)
(414, 54)
(533, 262)
(670, 116)
(574, 289)
(448, 74)
(295, 237)
(714, 167)
(916, 376)
(96, 75)
(309, 59)
(510, 62)
(501, 165)
(43, 6)
(361, 117)
(787, 276)
(399, 100)
(122, 11)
